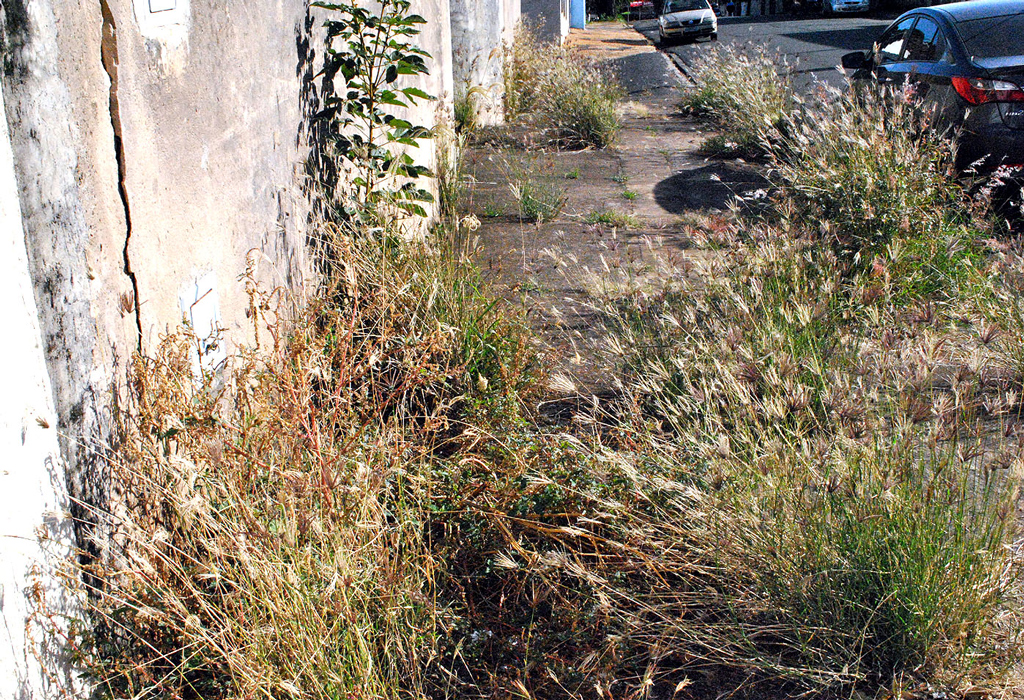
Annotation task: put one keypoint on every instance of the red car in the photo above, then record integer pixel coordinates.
(641, 9)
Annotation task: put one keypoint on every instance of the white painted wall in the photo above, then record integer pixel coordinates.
(35, 534)
(479, 30)
(513, 14)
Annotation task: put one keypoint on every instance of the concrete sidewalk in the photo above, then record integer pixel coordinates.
(629, 207)
(630, 57)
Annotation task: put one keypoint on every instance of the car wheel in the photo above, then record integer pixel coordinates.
(714, 36)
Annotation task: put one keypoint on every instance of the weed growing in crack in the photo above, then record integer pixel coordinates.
(449, 174)
(613, 218)
(538, 195)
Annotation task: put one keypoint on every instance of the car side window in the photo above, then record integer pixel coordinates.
(925, 42)
(889, 48)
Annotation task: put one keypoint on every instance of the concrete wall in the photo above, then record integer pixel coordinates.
(207, 105)
(146, 158)
(550, 18)
(513, 16)
(34, 527)
(479, 31)
(436, 38)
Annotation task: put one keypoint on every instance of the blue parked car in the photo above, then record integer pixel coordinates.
(965, 61)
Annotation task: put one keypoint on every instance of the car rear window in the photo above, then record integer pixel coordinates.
(992, 37)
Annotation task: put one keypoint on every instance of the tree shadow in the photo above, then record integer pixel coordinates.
(855, 39)
(714, 186)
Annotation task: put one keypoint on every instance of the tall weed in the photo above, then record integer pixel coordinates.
(859, 167)
(865, 164)
(745, 92)
(550, 88)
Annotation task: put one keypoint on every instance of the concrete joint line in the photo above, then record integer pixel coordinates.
(108, 56)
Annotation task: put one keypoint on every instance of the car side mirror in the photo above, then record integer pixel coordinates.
(855, 60)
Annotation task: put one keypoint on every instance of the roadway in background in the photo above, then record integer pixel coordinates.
(813, 45)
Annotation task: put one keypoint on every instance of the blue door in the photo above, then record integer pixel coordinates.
(578, 14)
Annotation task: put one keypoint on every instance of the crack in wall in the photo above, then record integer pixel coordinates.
(108, 55)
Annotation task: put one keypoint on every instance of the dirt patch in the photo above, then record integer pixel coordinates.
(602, 41)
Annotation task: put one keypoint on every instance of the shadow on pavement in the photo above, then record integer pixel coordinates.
(714, 186)
(639, 41)
(857, 39)
(644, 72)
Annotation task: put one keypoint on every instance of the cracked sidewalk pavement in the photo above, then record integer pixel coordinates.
(653, 175)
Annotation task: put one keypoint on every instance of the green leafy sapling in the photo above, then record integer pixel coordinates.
(368, 54)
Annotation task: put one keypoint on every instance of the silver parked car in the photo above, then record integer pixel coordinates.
(845, 6)
(687, 20)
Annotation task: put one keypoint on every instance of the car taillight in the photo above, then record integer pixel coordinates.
(978, 91)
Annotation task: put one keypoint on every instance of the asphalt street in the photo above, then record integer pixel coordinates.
(813, 46)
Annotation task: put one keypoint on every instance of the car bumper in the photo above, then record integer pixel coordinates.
(987, 150)
(987, 142)
(839, 9)
(687, 32)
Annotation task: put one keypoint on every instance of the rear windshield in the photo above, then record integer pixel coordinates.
(685, 5)
(993, 37)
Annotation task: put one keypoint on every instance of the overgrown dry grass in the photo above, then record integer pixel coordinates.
(567, 99)
(846, 516)
(832, 502)
(271, 535)
(807, 487)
